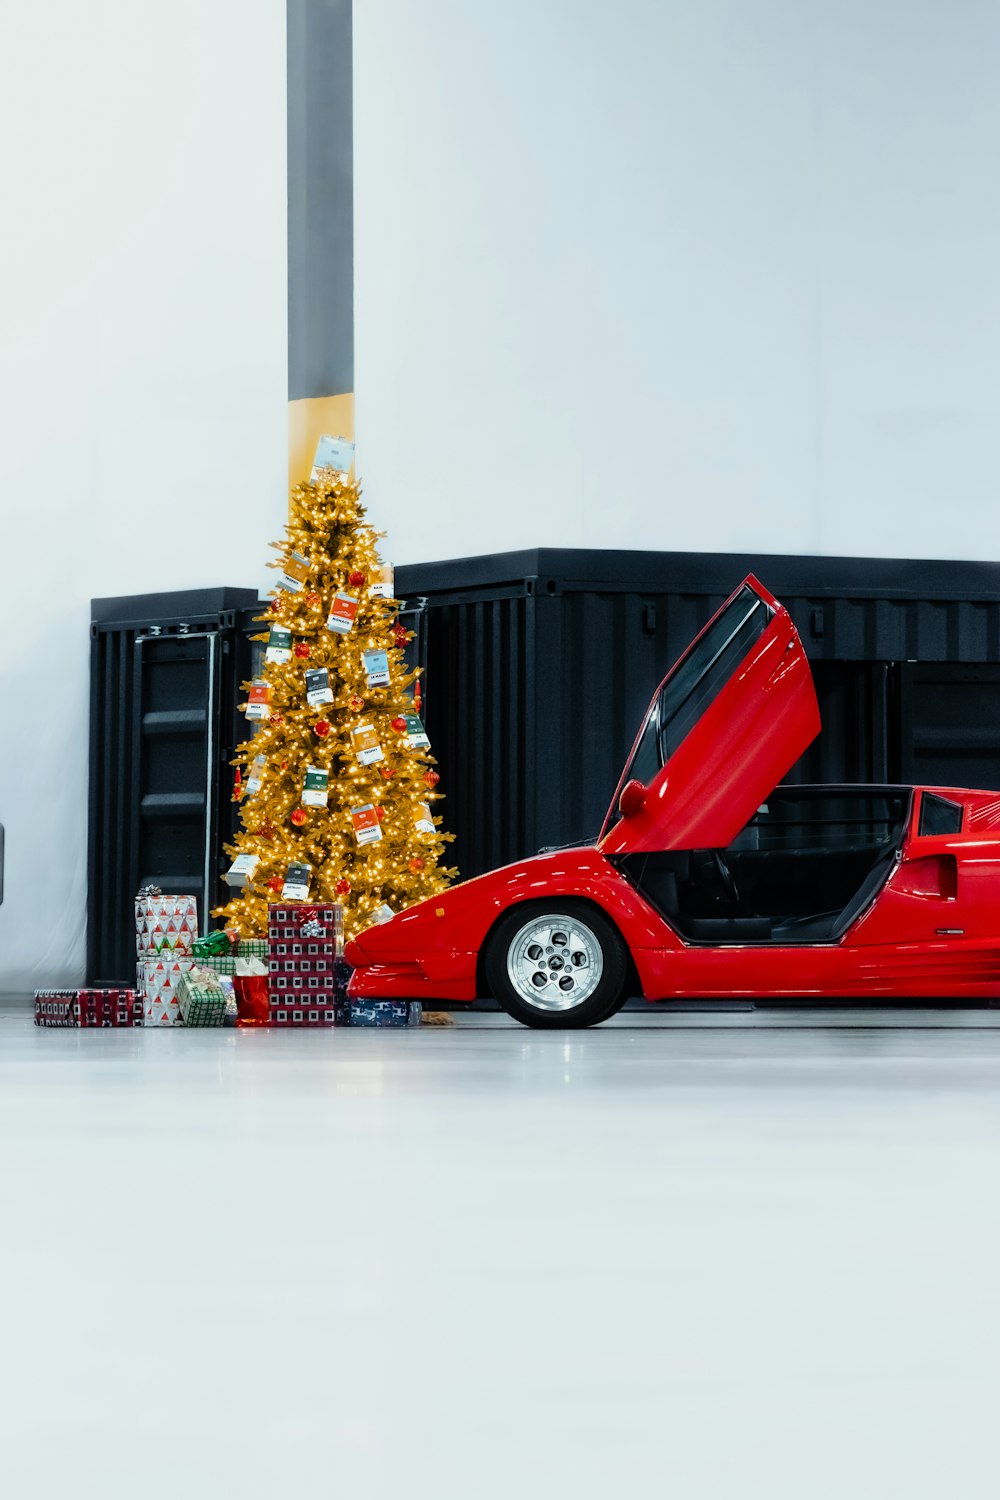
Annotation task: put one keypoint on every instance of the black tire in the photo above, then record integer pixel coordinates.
(588, 931)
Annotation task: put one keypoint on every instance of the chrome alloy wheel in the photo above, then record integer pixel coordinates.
(555, 962)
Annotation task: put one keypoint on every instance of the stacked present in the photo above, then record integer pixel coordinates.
(384, 1012)
(240, 967)
(87, 1008)
(165, 931)
(303, 946)
(164, 924)
(201, 998)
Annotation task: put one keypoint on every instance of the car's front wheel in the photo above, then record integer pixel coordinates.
(557, 965)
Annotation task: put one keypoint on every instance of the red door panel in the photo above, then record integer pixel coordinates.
(726, 725)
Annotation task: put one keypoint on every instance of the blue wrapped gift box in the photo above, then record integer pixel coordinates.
(384, 1012)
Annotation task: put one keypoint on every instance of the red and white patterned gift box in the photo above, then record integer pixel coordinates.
(164, 924)
(87, 1008)
(158, 980)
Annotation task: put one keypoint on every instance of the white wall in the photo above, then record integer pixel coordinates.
(143, 394)
(679, 274)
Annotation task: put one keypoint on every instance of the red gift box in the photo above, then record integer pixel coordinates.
(302, 944)
(304, 1012)
(87, 1008)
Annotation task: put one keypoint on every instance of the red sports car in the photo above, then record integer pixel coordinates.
(711, 879)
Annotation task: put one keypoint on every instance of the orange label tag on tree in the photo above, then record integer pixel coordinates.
(258, 706)
(365, 820)
(364, 741)
(294, 573)
(343, 613)
(422, 820)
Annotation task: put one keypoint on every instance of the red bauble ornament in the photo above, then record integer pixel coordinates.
(416, 864)
(387, 772)
(342, 887)
(301, 648)
(284, 765)
(275, 883)
(321, 728)
(277, 718)
(431, 777)
(299, 816)
(312, 598)
(380, 813)
(265, 831)
(356, 703)
(275, 605)
(357, 579)
(399, 724)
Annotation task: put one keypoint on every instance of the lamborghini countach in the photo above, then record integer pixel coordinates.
(712, 879)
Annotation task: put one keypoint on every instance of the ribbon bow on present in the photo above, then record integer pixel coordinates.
(308, 919)
(215, 945)
(148, 890)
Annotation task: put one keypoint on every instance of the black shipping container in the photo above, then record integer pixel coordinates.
(542, 663)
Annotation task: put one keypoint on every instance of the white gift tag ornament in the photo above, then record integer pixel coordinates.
(318, 690)
(316, 790)
(376, 668)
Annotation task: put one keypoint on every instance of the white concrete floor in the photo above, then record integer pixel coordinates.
(685, 1258)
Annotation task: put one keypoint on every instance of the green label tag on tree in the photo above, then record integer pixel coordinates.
(279, 645)
(316, 790)
(416, 736)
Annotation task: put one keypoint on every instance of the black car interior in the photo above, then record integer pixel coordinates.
(805, 867)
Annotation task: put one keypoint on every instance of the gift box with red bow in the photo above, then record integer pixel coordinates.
(302, 945)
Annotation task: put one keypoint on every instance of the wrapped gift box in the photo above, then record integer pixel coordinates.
(303, 1012)
(87, 1008)
(157, 981)
(216, 965)
(55, 1007)
(384, 1012)
(302, 945)
(252, 948)
(201, 1003)
(165, 924)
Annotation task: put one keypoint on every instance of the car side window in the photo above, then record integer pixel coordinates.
(646, 761)
(700, 675)
(938, 815)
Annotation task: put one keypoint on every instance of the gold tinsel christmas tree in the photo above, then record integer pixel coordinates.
(338, 775)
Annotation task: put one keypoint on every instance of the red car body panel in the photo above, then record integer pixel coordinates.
(734, 755)
(441, 938)
(931, 928)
